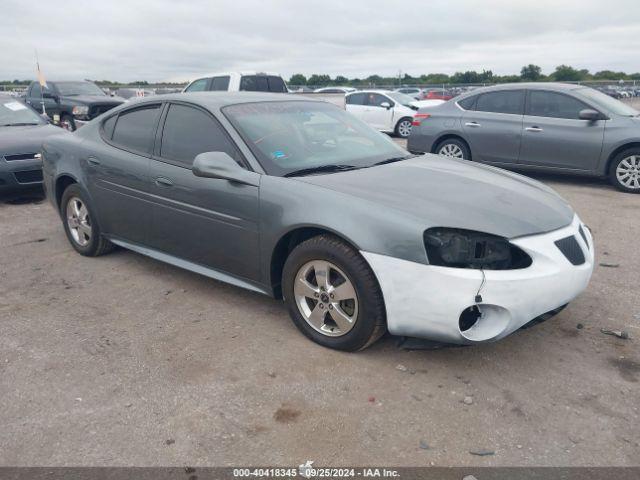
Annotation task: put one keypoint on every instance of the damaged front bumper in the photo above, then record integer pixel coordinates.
(427, 301)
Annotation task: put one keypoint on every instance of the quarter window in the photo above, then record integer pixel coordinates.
(188, 132)
(108, 125)
(506, 101)
(468, 103)
(198, 86)
(554, 105)
(135, 129)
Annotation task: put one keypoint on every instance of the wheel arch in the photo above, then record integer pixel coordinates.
(448, 136)
(617, 151)
(285, 245)
(61, 184)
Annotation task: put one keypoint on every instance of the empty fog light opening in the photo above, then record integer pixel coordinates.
(483, 322)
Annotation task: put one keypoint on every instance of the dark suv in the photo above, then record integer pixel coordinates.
(73, 102)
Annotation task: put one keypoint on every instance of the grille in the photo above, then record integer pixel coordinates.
(584, 237)
(99, 110)
(28, 176)
(20, 156)
(571, 249)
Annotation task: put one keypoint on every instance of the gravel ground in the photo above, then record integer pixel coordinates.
(122, 360)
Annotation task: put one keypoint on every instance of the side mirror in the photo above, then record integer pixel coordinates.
(221, 165)
(386, 105)
(590, 115)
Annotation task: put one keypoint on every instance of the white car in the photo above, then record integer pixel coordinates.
(238, 82)
(390, 112)
(335, 90)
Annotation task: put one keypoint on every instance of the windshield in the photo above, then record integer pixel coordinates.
(401, 98)
(607, 103)
(295, 135)
(13, 112)
(70, 89)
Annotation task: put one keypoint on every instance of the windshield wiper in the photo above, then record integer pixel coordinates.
(321, 169)
(393, 159)
(19, 124)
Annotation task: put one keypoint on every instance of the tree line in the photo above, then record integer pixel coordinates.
(528, 73)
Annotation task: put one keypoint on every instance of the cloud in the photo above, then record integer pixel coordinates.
(167, 40)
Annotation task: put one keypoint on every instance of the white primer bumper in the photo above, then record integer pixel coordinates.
(426, 301)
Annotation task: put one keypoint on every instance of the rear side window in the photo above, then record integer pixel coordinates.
(107, 126)
(355, 99)
(507, 101)
(198, 86)
(468, 103)
(135, 129)
(220, 84)
(262, 83)
(189, 131)
(554, 105)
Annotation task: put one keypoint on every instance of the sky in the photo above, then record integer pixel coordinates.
(162, 40)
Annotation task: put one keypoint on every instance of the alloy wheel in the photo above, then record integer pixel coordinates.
(326, 298)
(404, 128)
(78, 221)
(628, 172)
(451, 150)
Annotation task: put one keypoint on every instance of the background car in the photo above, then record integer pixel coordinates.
(335, 90)
(539, 126)
(74, 102)
(299, 200)
(387, 111)
(238, 82)
(22, 131)
(438, 94)
(415, 92)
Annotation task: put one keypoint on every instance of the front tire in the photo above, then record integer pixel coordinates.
(332, 295)
(624, 171)
(453, 147)
(79, 224)
(403, 127)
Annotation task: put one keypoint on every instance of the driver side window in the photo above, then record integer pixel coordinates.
(376, 100)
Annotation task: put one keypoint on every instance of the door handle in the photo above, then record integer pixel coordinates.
(472, 124)
(163, 182)
(533, 129)
(93, 161)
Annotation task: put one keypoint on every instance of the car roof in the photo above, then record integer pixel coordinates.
(241, 73)
(373, 90)
(217, 100)
(528, 85)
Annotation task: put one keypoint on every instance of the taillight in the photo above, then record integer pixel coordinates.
(418, 117)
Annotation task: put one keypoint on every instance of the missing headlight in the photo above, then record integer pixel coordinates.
(459, 248)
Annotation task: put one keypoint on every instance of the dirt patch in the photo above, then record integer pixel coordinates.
(286, 414)
(628, 369)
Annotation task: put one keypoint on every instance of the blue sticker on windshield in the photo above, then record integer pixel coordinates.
(278, 154)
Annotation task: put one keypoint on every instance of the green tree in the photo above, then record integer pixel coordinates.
(375, 79)
(531, 73)
(435, 78)
(319, 80)
(298, 79)
(566, 73)
(340, 80)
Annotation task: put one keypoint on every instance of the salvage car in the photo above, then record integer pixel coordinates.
(552, 127)
(75, 103)
(297, 199)
(22, 131)
(390, 112)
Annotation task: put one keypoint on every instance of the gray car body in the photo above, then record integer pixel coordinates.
(561, 145)
(239, 233)
(21, 140)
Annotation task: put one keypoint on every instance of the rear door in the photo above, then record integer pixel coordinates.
(211, 222)
(494, 127)
(118, 172)
(354, 104)
(554, 136)
(375, 114)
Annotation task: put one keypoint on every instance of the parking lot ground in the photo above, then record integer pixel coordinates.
(123, 360)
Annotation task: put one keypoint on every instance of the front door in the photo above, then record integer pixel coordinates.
(211, 222)
(554, 136)
(375, 114)
(494, 128)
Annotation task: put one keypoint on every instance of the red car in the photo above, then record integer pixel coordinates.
(438, 94)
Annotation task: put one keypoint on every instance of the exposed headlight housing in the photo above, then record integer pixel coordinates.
(459, 248)
(80, 110)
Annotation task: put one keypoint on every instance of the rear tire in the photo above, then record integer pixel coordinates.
(403, 127)
(624, 171)
(79, 223)
(453, 147)
(326, 279)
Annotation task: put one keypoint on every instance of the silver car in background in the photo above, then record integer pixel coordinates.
(552, 127)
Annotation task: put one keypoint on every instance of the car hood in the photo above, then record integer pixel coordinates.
(94, 100)
(26, 139)
(456, 193)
